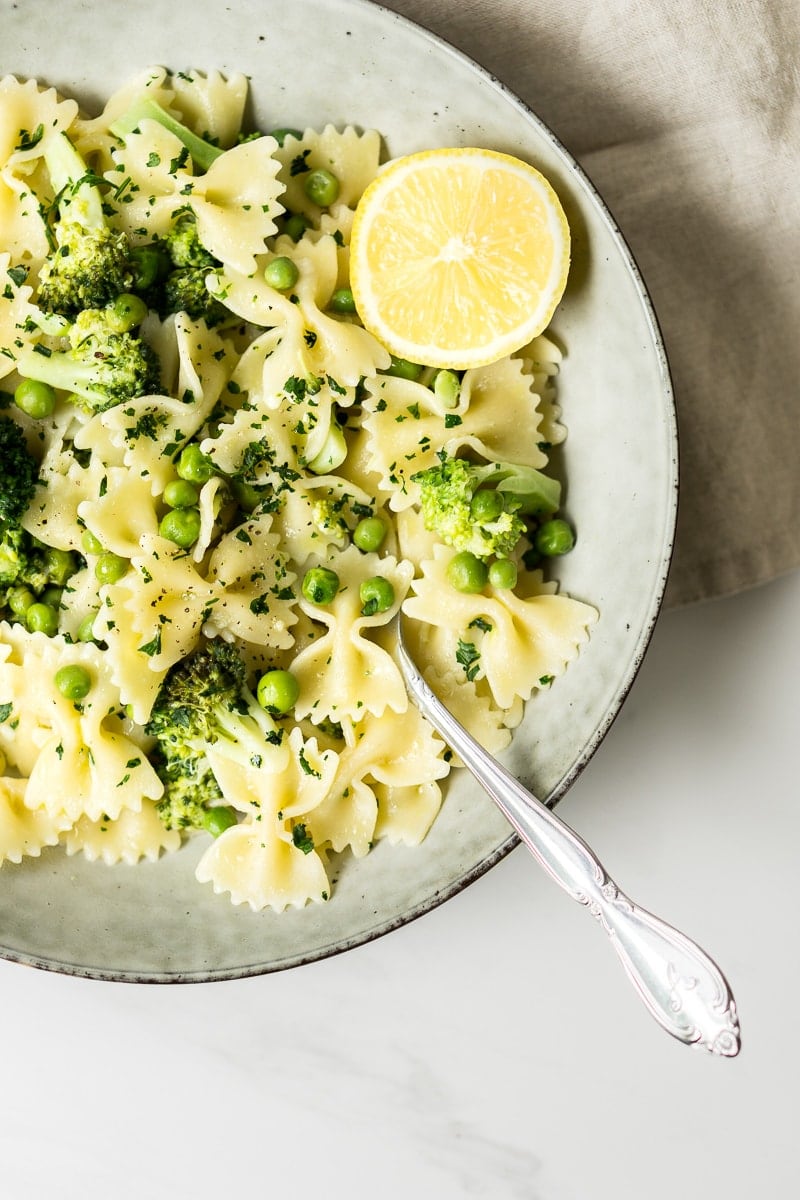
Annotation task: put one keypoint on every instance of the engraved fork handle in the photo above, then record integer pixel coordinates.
(681, 986)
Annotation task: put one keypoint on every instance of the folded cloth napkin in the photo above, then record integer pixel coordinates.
(686, 116)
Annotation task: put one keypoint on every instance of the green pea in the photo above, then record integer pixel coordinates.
(19, 600)
(503, 573)
(376, 595)
(91, 544)
(446, 388)
(42, 618)
(342, 301)
(126, 312)
(486, 506)
(110, 568)
(73, 682)
(466, 572)
(369, 534)
(321, 187)
(277, 691)
(281, 135)
(52, 595)
(194, 465)
(246, 495)
(60, 565)
(181, 526)
(295, 226)
(281, 273)
(179, 493)
(554, 537)
(86, 626)
(216, 820)
(320, 585)
(35, 399)
(148, 264)
(404, 369)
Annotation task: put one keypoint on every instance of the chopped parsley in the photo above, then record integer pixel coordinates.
(468, 657)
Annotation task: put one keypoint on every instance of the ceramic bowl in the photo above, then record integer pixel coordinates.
(349, 61)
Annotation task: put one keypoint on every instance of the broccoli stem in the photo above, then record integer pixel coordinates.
(77, 198)
(538, 494)
(146, 109)
(63, 372)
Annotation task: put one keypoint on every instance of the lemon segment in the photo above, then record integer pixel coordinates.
(458, 256)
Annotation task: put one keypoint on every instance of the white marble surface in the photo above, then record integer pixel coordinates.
(493, 1048)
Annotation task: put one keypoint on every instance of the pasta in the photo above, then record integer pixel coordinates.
(259, 499)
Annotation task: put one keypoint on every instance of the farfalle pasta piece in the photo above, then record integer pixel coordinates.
(343, 673)
(86, 764)
(406, 813)
(15, 309)
(291, 782)
(263, 868)
(211, 104)
(122, 512)
(269, 860)
(29, 117)
(521, 641)
(150, 167)
(541, 359)
(24, 832)
(351, 156)
(496, 402)
(405, 425)
(397, 749)
(415, 542)
(64, 484)
(19, 729)
(258, 440)
(129, 838)
(236, 202)
(327, 347)
(150, 619)
(339, 349)
(252, 595)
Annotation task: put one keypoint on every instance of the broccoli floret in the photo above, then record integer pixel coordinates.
(183, 245)
(204, 700)
(20, 564)
(182, 265)
(19, 472)
(185, 290)
(102, 366)
(144, 108)
(90, 264)
(27, 562)
(190, 791)
(24, 561)
(479, 507)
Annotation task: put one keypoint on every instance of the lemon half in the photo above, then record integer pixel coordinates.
(458, 256)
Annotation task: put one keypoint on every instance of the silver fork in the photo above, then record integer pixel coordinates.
(680, 985)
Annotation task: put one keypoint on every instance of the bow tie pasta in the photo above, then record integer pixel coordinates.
(219, 490)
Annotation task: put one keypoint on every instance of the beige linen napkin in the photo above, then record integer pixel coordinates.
(686, 116)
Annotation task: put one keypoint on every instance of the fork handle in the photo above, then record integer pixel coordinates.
(681, 986)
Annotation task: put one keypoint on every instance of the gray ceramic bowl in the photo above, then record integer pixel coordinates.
(368, 67)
